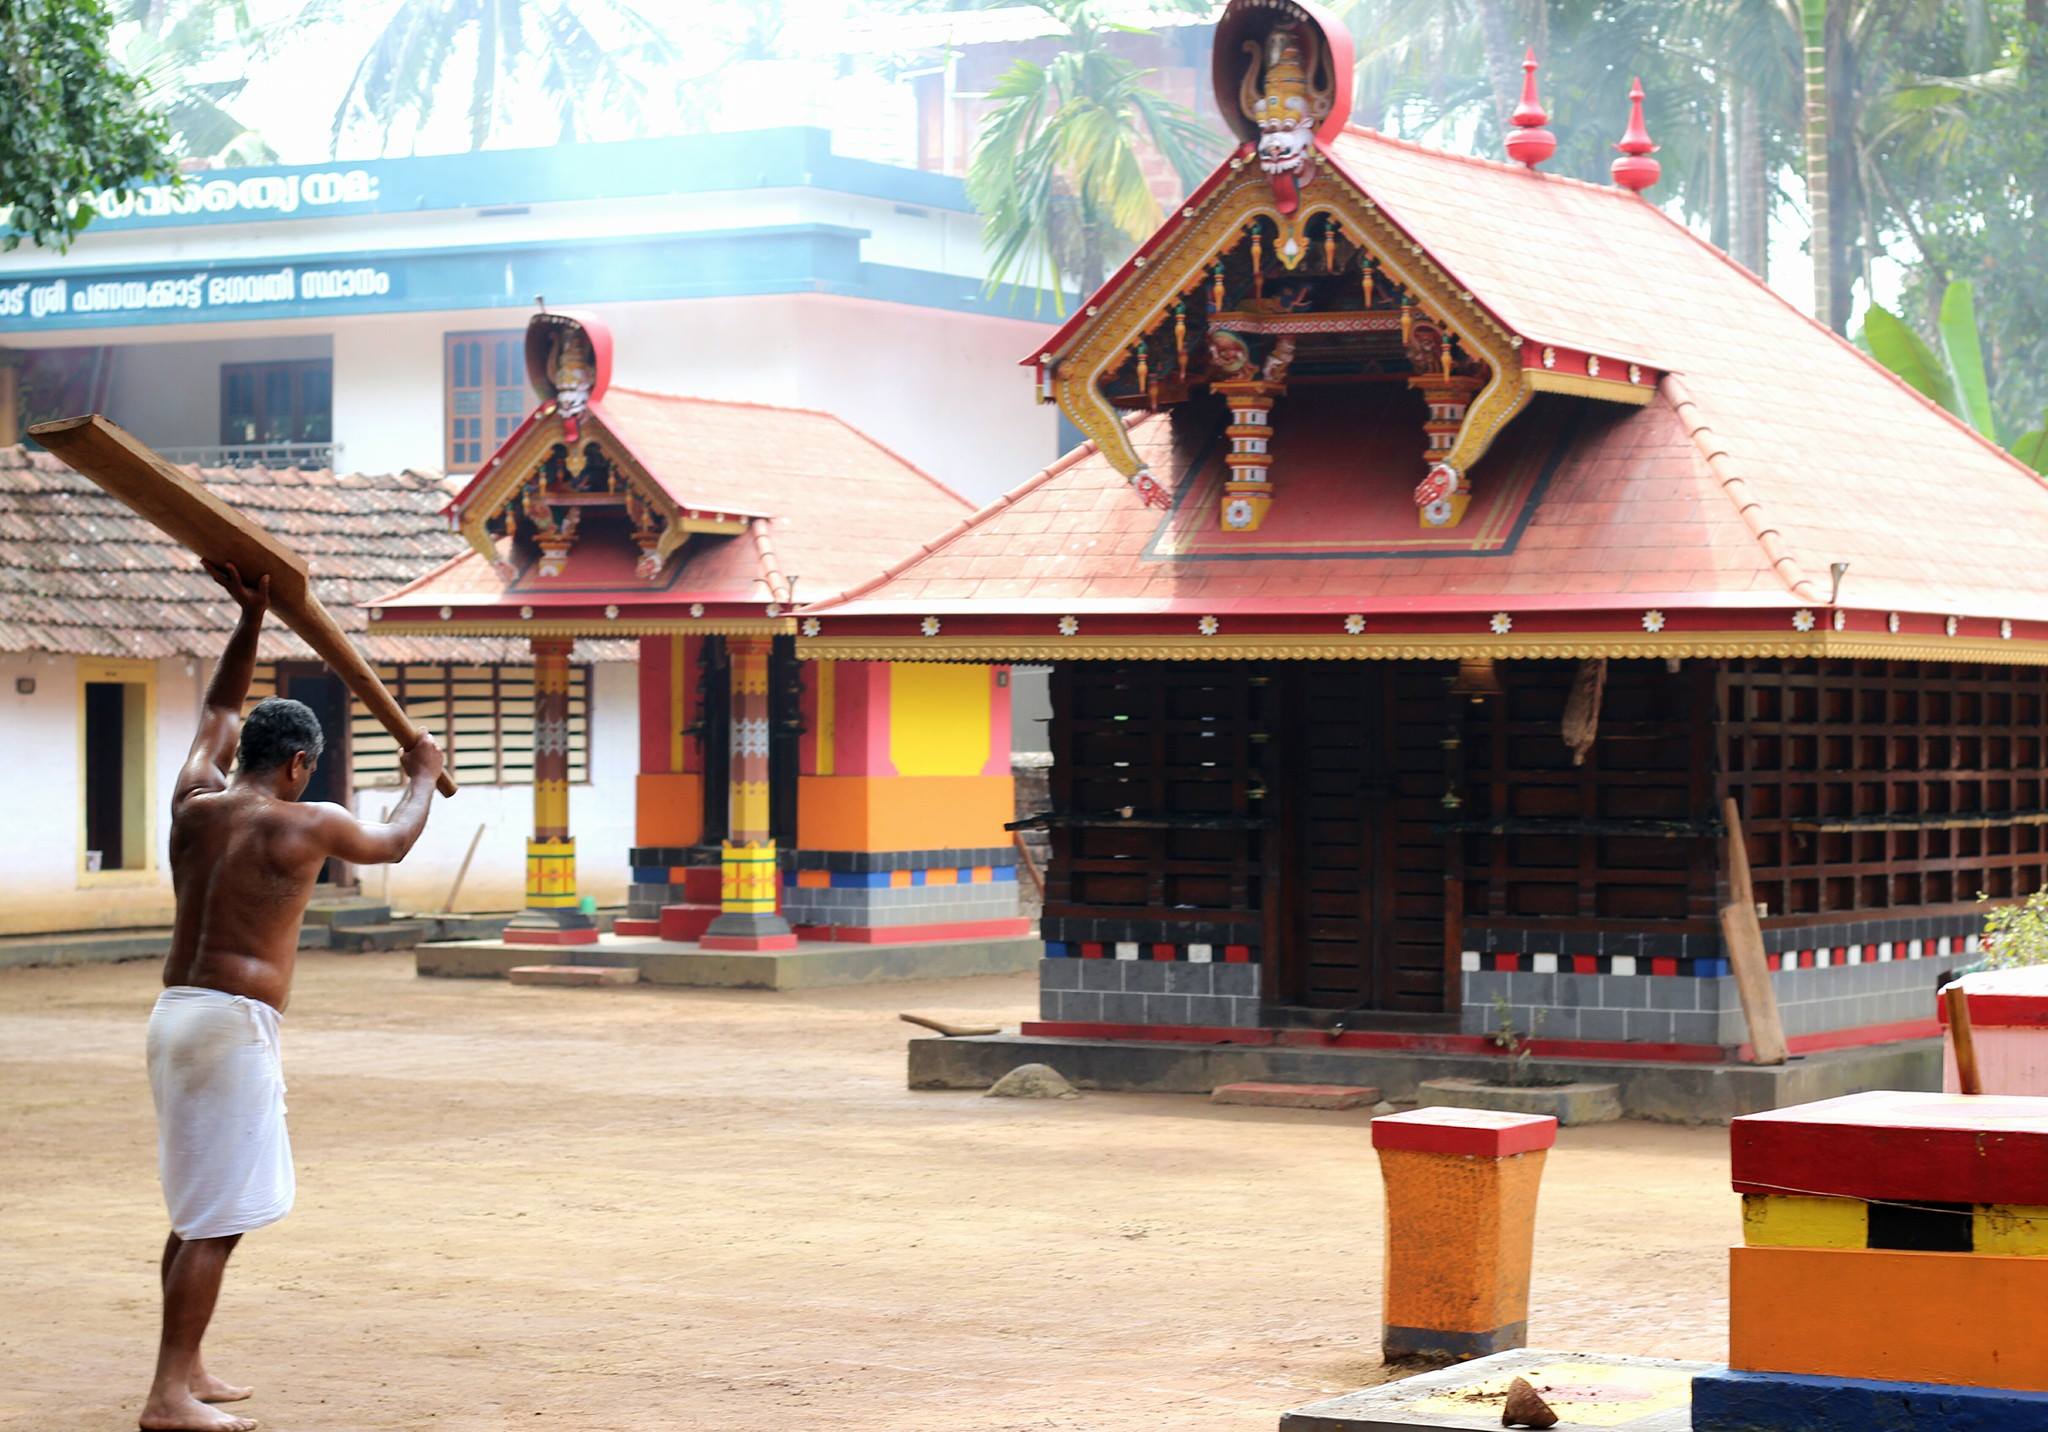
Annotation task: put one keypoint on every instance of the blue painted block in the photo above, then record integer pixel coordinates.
(1710, 969)
(1058, 950)
(650, 875)
(1003, 872)
(917, 877)
(860, 880)
(1781, 1402)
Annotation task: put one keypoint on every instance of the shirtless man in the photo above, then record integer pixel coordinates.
(245, 853)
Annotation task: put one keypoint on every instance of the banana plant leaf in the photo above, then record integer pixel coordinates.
(1894, 344)
(1965, 355)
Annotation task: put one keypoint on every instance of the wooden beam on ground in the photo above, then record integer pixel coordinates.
(186, 512)
(1743, 936)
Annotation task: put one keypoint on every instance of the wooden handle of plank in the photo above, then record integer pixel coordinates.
(1744, 938)
(190, 514)
(1968, 1078)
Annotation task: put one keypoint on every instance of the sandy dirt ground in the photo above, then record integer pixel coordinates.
(673, 1209)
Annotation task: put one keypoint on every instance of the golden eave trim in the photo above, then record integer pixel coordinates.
(1719, 645)
(1578, 385)
(594, 630)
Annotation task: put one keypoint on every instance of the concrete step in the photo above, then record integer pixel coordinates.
(347, 910)
(356, 939)
(480, 926)
(574, 976)
(1296, 1096)
(686, 922)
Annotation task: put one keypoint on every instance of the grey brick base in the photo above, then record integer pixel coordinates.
(1216, 996)
(901, 905)
(1680, 1009)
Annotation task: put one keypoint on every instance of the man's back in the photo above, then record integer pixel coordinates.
(243, 866)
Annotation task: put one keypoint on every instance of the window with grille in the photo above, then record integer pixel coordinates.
(481, 715)
(486, 394)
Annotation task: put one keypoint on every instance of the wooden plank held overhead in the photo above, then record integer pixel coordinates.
(1744, 937)
(184, 510)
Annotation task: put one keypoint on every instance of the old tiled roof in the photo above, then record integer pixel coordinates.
(843, 508)
(80, 575)
(1772, 450)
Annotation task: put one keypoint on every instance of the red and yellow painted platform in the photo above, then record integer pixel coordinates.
(1895, 1255)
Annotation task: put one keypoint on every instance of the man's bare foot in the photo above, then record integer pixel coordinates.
(189, 1414)
(208, 1388)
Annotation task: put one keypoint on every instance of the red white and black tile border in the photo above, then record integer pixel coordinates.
(1817, 957)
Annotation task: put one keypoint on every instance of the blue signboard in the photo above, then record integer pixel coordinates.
(696, 164)
(792, 258)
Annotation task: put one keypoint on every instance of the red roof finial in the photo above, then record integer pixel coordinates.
(1636, 169)
(1529, 142)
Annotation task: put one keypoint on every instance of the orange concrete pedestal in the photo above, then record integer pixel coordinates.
(1461, 1223)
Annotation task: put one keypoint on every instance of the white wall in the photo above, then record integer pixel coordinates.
(388, 393)
(600, 817)
(40, 840)
(943, 389)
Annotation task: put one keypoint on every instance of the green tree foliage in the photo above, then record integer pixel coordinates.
(1954, 375)
(1057, 170)
(72, 122)
(1968, 166)
(577, 57)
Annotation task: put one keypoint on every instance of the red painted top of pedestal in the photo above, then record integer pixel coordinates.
(1934, 1148)
(1474, 1133)
(2003, 998)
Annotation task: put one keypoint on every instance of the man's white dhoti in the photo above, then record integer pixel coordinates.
(216, 1072)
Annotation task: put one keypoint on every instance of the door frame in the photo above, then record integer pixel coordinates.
(336, 757)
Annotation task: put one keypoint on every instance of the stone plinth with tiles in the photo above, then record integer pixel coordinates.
(1893, 1270)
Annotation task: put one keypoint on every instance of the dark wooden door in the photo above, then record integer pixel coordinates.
(327, 696)
(1365, 878)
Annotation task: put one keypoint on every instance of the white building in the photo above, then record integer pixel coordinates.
(366, 316)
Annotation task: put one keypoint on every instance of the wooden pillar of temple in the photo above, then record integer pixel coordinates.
(553, 913)
(748, 916)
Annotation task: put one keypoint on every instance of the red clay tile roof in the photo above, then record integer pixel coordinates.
(843, 507)
(1777, 450)
(81, 575)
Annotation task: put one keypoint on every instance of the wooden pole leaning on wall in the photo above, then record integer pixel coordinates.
(1968, 1079)
(190, 515)
(1743, 936)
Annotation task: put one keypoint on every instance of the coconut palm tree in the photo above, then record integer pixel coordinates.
(193, 55)
(1057, 170)
(578, 58)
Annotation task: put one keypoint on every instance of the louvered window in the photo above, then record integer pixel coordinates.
(482, 715)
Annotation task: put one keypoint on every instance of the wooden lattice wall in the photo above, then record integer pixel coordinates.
(1881, 787)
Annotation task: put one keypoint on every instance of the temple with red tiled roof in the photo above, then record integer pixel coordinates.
(1453, 540)
(778, 799)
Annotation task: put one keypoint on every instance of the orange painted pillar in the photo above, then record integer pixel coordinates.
(1461, 1224)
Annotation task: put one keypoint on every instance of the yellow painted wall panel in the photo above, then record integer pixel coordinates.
(1771, 1220)
(938, 719)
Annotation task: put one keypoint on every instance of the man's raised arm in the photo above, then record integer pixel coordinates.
(362, 842)
(220, 724)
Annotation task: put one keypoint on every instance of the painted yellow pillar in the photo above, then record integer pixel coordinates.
(553, 913)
